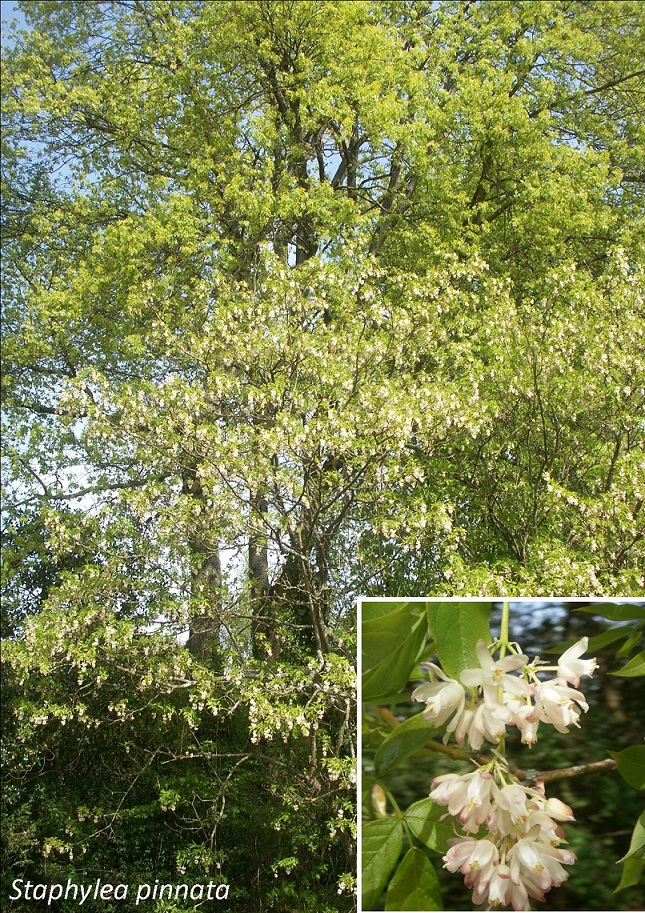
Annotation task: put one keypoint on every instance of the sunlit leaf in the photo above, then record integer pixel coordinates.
(637, 844)
(622, 612)
(423, 819)
(630, 643)
(635, 667)
(456, 628)
(391, 646)
(632, 872)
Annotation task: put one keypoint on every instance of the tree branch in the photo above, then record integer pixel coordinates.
(531, 776)
(565, 773)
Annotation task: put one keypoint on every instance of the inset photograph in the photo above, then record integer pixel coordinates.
(502, 755)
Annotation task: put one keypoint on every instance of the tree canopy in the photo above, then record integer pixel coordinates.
(301, 300)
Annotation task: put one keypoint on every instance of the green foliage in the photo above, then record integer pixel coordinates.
(382, 843)
(456, 628)
(636, 666)
(631, 764)
(424, 820)
(406, 739)
(415, 885)
(392, 643)
(387, 628)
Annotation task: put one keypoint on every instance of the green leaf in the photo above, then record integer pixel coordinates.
(392, 643)
(456, 628)
(630, 643)
(415, 885)
(596, 642)
(423, 820)
(382, 843)
(398, 697)
(632, 871)
(637, 844)
(402, 742)
(635, 667)
(623, 612)
(631, 764)
(371, 609)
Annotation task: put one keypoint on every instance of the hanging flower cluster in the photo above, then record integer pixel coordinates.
(520, 855)
(514, 852)
(489, 698)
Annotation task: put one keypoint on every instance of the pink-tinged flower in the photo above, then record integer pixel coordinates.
(559, 810)
(538, 862)
(556, 705)
(461, 724)
(450, 790)
(522, 891)
(571, 667)
(518, 896)
(494, 674)
(489, 722)
(459, 853)
(468, 797)
(499, 886)
(548, 830)
(443, 698)
(475, 812)
(545, 814)
(476, 858)
(526, 718)
(514, 804)
(519, 858)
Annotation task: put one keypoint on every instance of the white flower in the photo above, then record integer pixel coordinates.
(443, 698)
(526, 717)
(489, 722)
(520, 855)
(559, 810)
(556, 703)
(494, 674)
(472, 856)
(539, 862)
(461, 725)
(499, 886)
(513, 799)
(468, 797)
(570, 667)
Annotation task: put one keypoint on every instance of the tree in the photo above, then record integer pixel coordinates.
(300, 301)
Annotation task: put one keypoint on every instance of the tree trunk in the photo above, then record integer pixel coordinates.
(206, 577)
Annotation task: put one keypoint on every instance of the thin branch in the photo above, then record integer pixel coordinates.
(531, 776)
(565, 773)
(614, 82)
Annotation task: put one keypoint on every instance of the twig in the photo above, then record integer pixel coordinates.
(564, 773)
(531, 776)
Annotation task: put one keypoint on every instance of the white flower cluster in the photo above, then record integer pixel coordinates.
(514, 852)
(519, 856)
(489, 698)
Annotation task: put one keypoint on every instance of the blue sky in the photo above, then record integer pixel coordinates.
(10, 11)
